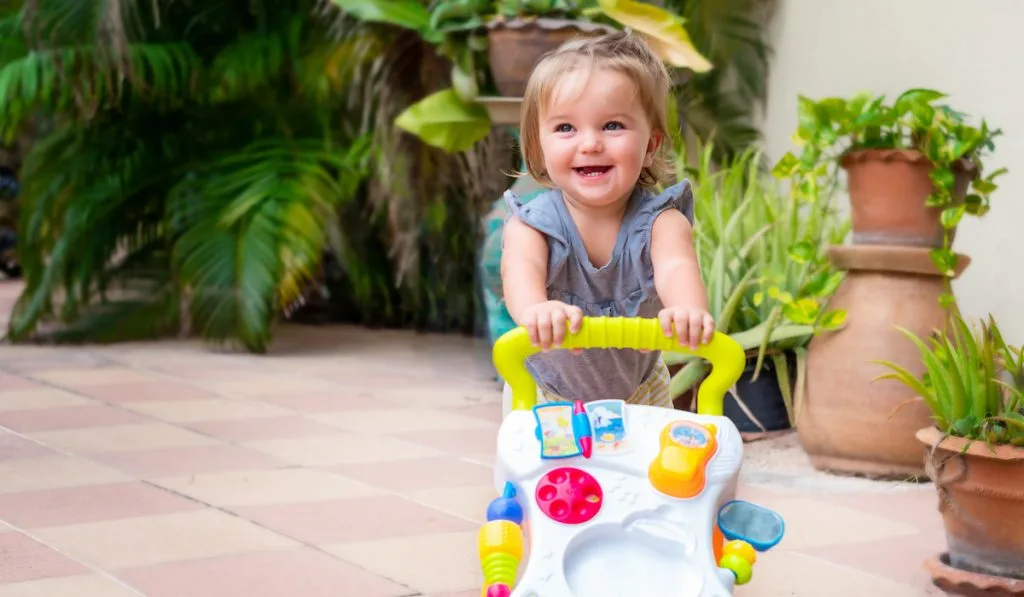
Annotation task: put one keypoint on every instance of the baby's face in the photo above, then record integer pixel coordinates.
(595, 137)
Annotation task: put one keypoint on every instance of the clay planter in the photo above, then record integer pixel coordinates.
(516, 45)
(888, 189)
(845, 423)
(981, 498)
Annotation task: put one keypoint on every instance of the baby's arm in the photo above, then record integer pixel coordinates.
(678, 281)
(524, 270)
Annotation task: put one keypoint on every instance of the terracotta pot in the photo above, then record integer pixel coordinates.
(888, 188)
(516, 45)
(846, 422)
(981, 498)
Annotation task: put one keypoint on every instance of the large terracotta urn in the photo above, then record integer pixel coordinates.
(849, 423)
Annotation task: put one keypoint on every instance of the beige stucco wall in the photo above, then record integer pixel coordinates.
(972, 50)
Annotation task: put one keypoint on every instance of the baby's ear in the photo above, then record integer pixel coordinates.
(653, 146)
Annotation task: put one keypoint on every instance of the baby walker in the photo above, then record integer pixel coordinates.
(620, 500)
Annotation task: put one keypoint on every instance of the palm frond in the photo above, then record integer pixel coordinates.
(252, 227)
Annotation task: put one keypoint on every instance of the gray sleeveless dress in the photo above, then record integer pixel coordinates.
(623, 287)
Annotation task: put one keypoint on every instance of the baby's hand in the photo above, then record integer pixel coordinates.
(545, 322)
(693, 326)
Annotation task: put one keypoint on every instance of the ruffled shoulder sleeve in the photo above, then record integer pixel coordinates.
(678, 196)
(540, 213)
(543, 214)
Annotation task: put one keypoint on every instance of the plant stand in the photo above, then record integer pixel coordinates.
(849, 424)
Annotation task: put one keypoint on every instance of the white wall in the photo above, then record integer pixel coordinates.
(972, 50)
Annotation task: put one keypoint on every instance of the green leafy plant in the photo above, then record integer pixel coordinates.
(763, 260)
(451, 118)
(972, 381)
(190, 168)
(832, 127)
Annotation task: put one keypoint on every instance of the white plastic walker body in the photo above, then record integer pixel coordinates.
(620, 500)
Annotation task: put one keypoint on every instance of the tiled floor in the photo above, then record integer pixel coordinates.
(349, 463)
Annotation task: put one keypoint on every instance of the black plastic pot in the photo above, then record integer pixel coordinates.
(762, 408)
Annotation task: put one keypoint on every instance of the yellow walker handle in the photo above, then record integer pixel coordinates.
(725, 355)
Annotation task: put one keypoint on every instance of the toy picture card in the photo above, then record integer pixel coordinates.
(557, 439)
(608, 421)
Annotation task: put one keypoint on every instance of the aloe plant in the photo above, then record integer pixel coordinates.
(762, 257)
(972, 381)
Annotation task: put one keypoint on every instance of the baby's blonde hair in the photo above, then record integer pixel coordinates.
(622, 52)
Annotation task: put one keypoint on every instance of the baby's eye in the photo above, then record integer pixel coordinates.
(564, 127)
(615, 125)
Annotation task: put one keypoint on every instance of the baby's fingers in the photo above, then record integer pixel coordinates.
(709, 328)
(665, 317)
(695, 323)
(544, 329)
(575, 318)
(530, 323)
(558, 319)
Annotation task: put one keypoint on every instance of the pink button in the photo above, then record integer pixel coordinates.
(569, 495)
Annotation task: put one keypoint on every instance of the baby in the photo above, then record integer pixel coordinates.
(600, 242)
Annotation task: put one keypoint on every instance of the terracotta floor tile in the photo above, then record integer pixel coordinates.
(181, 411)
(917, 507)
(189, 460)
(813, 523)
(146, 390)
(15, 383)
(270, 385)
(264, 428)
(790, 574)
(356, 519)
(40, 397)
(428, 563)
(303, 572)
(159, 539)
(90, 503)
(483, 459)
(118, 438)
(469, 503)
(202, 373)
(420, 473)
(24, 559)
(324, 402)
(461, 443)
(246, 488)
(14, 447)
(391, 421)
(67, 417)
(97, 376)
(341, 449)
(445, 394)
(50, 472)
(70, 586)
(487, 412)
(877, 557)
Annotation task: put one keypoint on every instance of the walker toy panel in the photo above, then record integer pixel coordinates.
(632, 513)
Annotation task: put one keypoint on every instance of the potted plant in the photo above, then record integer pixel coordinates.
(914, 167)
(455, 118)
(762, 256)
(972, 385)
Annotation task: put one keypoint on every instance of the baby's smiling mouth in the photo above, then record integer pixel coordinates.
(592, 170)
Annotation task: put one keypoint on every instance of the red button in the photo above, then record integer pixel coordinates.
(569, 495)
